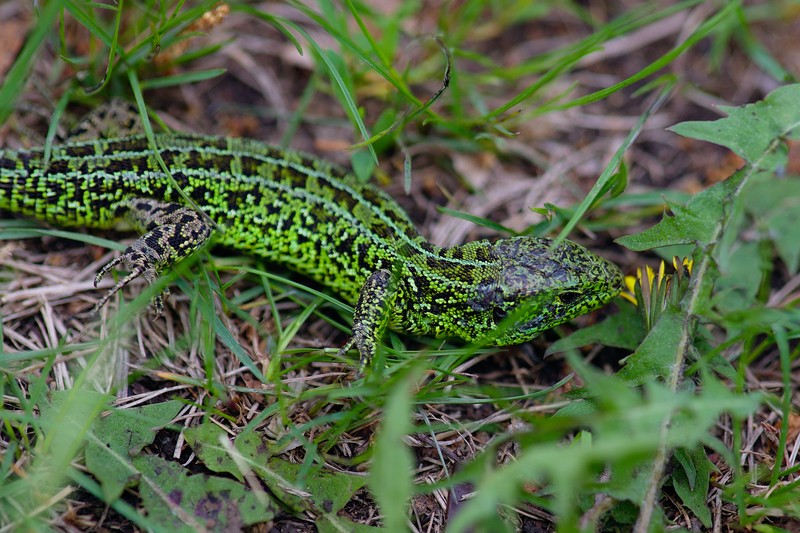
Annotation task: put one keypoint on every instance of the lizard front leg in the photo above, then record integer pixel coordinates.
(369, 318)
(171, 232)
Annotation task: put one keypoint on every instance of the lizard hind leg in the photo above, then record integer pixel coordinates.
(171, 233)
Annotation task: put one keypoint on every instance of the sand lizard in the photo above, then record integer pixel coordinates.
(316, 219)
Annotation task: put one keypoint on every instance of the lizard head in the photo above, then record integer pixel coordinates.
(535, 286)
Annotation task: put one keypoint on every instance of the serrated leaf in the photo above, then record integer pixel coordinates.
(115, 439)
(683, 457)
(751, 130)
(181, 502)
(628, 426)
(757, 320)
(694, 223)
(701, 410)
(755, 132)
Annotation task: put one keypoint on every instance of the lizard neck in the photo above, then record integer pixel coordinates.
(435, 288)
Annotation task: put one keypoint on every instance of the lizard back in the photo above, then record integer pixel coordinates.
(279, 204)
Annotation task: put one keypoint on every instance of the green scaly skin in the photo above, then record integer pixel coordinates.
(314, 218)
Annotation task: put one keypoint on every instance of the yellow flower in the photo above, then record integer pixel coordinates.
(652, 291)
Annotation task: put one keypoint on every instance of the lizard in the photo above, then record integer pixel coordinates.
(311, 216)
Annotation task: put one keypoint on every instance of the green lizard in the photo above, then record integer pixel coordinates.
(315, 219)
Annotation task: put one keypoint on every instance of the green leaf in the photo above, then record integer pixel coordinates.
(180, 502)
(362, 164)
(117, 438)
(627, 425)
(297, 487)
(752, 130)
(205, 442)
(252, 447)
(390, 477)
(66, 424)
(775, 206)
(691, 481)
(741, 272)
(289, 482)
(620, 330)
(656, 355)
(756, 132)
(693, 223)
(629, 482)
(329, 491)
(337, 524)
(759, 320)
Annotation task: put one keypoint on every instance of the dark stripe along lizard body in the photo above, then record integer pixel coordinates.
(314, 218)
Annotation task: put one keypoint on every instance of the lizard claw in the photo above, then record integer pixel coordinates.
(138, 265)
(174, 233)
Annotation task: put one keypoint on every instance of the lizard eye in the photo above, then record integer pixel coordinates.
(499, 314)
(569, 297)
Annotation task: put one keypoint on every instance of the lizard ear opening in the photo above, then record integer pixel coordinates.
(499, 314)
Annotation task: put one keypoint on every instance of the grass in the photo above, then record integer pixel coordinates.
(677, 411)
